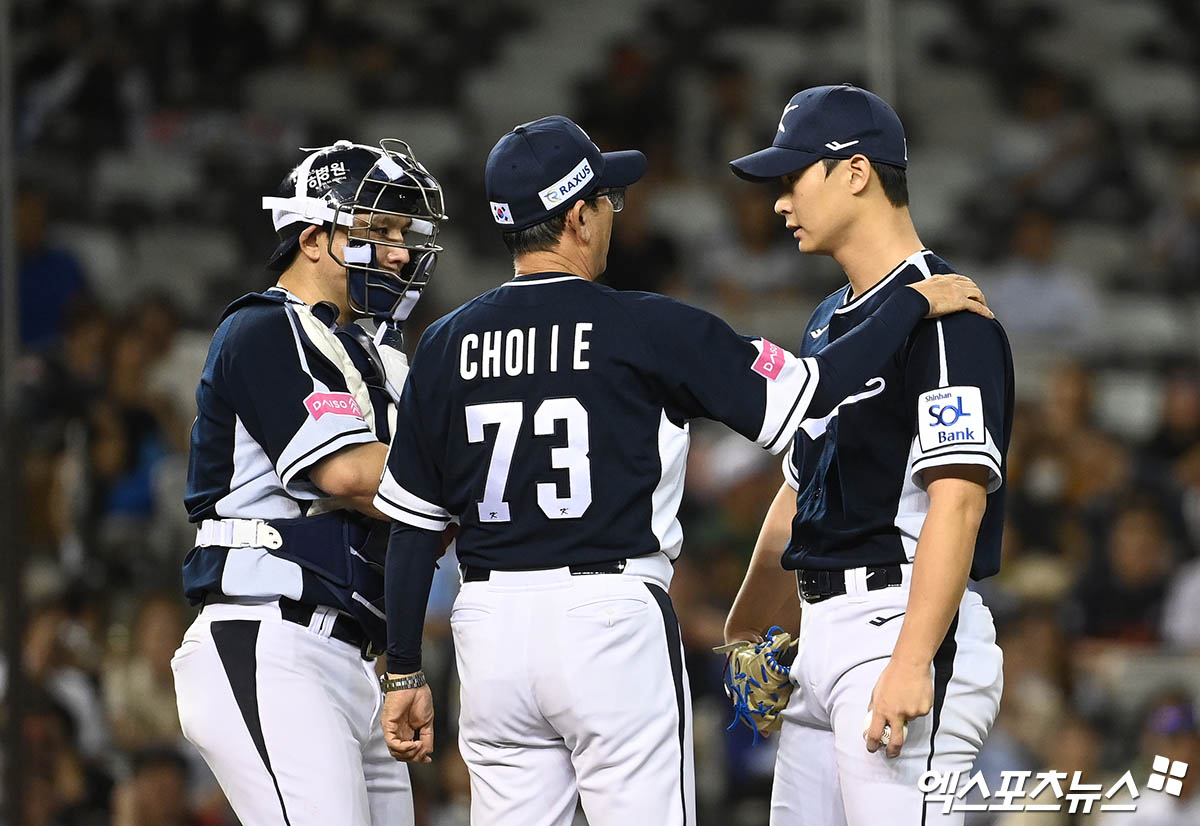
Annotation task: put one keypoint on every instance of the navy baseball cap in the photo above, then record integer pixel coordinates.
(828, 122)
(541, 168)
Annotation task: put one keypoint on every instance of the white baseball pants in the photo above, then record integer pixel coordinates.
(824, 775)
(288, 720)
(573, 689)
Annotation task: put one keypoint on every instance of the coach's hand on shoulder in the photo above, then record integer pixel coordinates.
(903, 692)
(951, 293)
(407, 719)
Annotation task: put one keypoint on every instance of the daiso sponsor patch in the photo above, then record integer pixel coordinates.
(339, 404)
(770, 361)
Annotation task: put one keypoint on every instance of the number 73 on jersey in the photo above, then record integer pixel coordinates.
(573, 458)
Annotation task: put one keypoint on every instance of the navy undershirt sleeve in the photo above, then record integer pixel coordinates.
(408, 575)
(849, 362)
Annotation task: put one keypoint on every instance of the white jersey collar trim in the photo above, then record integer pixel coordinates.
(916, 259)
(288, 294)
(527, 281)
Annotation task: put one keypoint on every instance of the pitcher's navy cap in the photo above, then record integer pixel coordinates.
(828, 122)
(541, 168)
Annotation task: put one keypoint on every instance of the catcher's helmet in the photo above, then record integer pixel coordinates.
(351, 185)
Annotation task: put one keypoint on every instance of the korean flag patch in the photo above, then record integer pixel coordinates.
(501, 213)
(950, 416)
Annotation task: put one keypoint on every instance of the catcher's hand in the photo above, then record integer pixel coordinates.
(756, 680)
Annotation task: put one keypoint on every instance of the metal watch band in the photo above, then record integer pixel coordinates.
(402, 683)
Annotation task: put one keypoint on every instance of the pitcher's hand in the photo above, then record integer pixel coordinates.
(902, 693)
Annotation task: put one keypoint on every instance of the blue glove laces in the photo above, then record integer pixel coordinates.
(739, 690)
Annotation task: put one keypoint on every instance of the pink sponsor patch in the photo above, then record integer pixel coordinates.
(770, 361)
(339, 404)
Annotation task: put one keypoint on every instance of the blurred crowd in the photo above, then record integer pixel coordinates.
(1067, 185)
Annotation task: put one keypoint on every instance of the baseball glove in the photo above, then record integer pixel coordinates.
(756, 680)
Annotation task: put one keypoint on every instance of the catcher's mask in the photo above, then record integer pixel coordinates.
(355, 187)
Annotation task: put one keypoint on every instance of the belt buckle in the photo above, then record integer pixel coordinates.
(807, 593)
(817, 585)
(244, 533)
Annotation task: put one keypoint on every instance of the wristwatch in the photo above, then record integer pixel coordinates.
(387, 684)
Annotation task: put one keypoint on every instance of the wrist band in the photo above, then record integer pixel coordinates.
(387, 684)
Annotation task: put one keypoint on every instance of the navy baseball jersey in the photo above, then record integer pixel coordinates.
(549, 417)
(279, 393)
(946, 398)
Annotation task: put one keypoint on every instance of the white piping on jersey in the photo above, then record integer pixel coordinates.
(673, 442)
(995, 479)
(943, 370)
(404, 506)
(789, 469)
(542, 281)
(943, 374)
(288, 294)
(912, 505)
(986, 455)
(815, 427)
(299, 347)
(916, 257)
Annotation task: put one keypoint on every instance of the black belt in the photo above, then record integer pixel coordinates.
(816, 586)
(344, 628)
(474, 573)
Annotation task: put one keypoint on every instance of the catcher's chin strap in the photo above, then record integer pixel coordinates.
(739, 692)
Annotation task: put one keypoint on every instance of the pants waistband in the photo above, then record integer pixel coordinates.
(655, 567)
(818, 586)
(321, 619)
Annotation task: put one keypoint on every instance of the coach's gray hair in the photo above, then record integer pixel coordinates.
(540, 237)
(537, 238)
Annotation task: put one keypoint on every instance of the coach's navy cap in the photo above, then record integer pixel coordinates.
(828, 122)
(541, 168)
